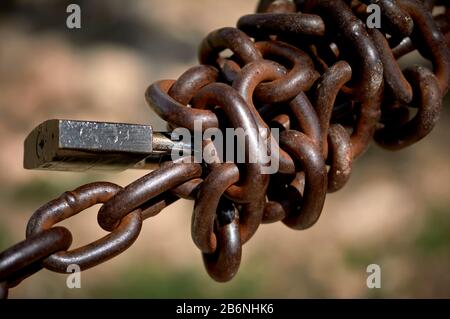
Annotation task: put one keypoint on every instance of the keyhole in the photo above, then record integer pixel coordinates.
(40, 146)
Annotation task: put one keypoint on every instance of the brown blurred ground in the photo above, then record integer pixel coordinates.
(395, 211)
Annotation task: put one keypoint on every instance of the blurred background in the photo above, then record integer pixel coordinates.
(395, 210)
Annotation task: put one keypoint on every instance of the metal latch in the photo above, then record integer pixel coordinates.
(69, 145)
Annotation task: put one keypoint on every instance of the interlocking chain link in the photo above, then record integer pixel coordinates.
(310, 68)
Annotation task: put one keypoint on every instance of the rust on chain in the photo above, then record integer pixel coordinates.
(144, 189)
(310, 69)
(263, 24)
(72, 203)
(250, 77)
(157, 96)
(395, 21)
(228, 38)
(26, 257)
(394, 79)
(369, 77)
(300, 77)
(308, 154)
(223, 264)
(253, 184)
(428, 101)
(209, 196)
(328, 88)
(429, 41)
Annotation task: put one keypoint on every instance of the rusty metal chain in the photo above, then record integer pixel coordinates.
(310, 68)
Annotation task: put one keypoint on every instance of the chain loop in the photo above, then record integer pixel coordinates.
(306, 152)
(309, 68)
(223, 264)
(175, 113)
(254, 184)
(71, 203)
(429, 103)
(144, 189)
(25, 258)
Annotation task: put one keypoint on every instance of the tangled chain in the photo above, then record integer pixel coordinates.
(310, 68)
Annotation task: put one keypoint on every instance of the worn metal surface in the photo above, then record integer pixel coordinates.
(68, 145)
(309, 68)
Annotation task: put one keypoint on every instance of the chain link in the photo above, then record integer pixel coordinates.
(310, 68)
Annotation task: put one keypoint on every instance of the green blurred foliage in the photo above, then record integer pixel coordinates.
(35, 191)
(4, 237)
(434, 237)
(148, 282)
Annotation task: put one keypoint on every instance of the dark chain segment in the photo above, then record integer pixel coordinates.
(310, 68)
